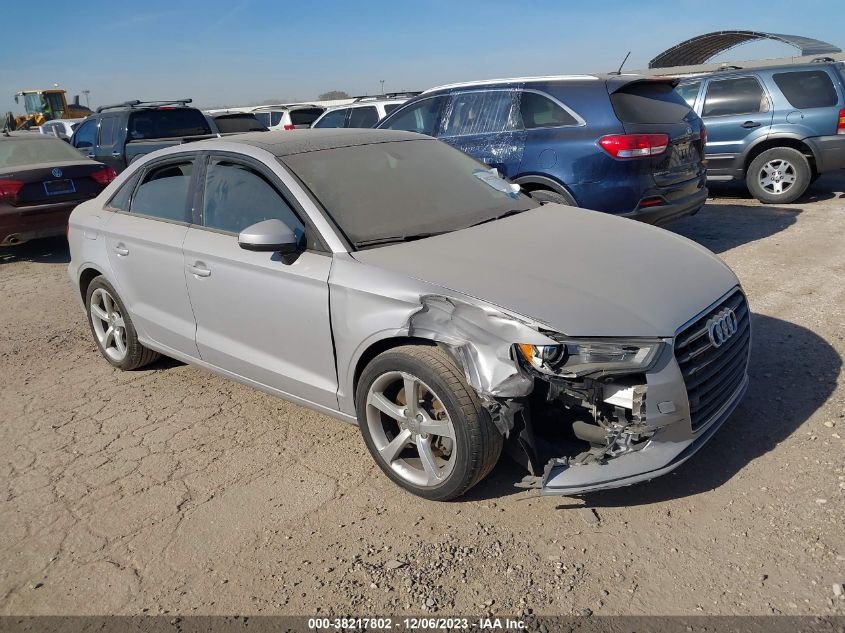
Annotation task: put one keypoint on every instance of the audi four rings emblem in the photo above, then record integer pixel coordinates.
(721, 327)
(57, 173)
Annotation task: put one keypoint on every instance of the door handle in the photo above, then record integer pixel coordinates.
(199, 269)
(90, 155)
(750, 124)
(115, 154)
(121, 250)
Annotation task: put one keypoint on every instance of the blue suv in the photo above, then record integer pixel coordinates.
(624, 144)
(776, 128)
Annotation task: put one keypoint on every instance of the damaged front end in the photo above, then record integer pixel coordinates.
(579, 415)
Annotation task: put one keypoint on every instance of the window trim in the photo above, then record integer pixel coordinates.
(274, 181)
(702, 85)
(763, 89)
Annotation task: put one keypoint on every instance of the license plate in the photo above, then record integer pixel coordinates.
(59, 187)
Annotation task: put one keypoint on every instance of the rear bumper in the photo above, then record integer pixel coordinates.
(21, 224)
(673, 210)
(829, 152)
(668, 448)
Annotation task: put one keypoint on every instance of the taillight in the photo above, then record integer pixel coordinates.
(703, 135)
(104, 176)
(634, 145)
(290, 126)
(9, 189)
(840, 127)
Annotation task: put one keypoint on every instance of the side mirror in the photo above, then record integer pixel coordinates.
(269, 236)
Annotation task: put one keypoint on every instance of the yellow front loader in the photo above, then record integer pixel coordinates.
(42, 106)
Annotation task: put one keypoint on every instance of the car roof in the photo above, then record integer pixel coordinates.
(514, 80)
(313, 140)
(296, 106)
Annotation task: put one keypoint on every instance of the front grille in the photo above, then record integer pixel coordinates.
(713, 374)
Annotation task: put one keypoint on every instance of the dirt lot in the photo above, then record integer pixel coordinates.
(171, 490)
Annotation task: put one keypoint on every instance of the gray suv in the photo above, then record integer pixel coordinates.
(776, 128)
(390, 280)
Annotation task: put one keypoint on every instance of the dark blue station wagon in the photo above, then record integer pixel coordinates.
(623, 144)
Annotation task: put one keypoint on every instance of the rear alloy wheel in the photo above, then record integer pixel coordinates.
(424, 425)
(112, 328)
(778, 175)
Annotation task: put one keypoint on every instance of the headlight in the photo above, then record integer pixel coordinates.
(575, 358)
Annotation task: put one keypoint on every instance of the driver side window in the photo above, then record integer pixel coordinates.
(422, 117)
(237, 196)
(85, 134)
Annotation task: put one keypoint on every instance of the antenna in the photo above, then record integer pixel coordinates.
(619, 72)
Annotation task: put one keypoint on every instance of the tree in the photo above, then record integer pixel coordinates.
(331, 95)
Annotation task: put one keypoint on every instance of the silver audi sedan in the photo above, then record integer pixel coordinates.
(389, 280)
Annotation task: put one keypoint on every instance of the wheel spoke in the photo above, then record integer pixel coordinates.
(395, 446)
(412, 394)
(427, 459)
(118, 341)
(99, 312)
(108, 337)
(778, 188)
(788, 178)
(107, 303)
(118, 321)
(380, 402)
(441, 428)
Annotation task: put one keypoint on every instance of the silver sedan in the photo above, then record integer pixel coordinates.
(393, 282)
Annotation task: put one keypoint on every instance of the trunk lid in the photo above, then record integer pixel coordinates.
(48, 183)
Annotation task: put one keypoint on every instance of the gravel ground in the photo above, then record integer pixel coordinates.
(171, 490)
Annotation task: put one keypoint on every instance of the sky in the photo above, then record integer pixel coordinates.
(245, 51)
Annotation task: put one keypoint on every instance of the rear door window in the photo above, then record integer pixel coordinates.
(807, 89)
(276, 118)
(538, 110)
(390, 107)
(649, 102)
(365, 116)
(263, 118)
(335, 118)
(108, 127)
(483, 112)
(739, 95)
(422, 116)
(163, 193)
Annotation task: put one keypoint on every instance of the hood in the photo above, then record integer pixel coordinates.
(582, 273)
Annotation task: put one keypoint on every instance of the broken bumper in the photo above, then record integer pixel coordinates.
(667, 449)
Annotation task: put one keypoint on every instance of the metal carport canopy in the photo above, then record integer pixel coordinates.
(700, 48)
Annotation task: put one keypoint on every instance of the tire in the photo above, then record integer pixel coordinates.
(448, 404)
(111, 325)
(544, 196)
(778, 175)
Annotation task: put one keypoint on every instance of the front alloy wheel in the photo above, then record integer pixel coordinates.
(411, 429)
(423, 424)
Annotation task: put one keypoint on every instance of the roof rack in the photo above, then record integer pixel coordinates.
(388, 95)
(822, 60)
(145, 104)
(727, 67)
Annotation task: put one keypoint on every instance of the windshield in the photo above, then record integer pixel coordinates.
(404, 189)
(167, 123)
(17, 152)
(34, 102)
